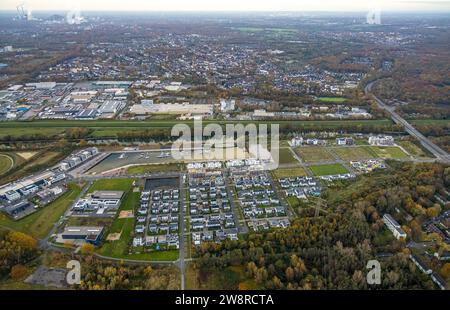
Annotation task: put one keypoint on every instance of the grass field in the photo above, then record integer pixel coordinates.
(353, 153)
(38, 126)
(428, 121)
(6, 158)
(333, 169)
(40, 223)
(163, 256)
(413, 149)
(154, 168)
(39, 161)
(314, 154)
(125, 226)
(16, 285)
(42, 159)
(331, 99)
(289, 173)
(112, 185)
(53, 129)
(24, 131)
(389, 152)
(286, 157)
(6, 163)
(233, 278)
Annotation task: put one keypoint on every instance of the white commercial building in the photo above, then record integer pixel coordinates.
(42, 85)
(227, 105)
(381, 140)
(394, 227)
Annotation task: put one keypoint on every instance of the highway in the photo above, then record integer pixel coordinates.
(439, 153)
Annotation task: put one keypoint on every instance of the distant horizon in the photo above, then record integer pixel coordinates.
(233, 11)
(293, 6)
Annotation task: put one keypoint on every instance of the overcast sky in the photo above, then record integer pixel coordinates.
(228, 5)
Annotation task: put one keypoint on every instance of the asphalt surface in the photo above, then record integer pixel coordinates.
(43, 243)
(180, 262)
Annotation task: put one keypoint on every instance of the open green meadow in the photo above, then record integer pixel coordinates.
(413, 149)
(333, 169)
(112, 185)
(386, 152)
(232, 278)
(289, 172)
(314, 154)
(443, 122)
(286, 157)
(24, 130)
(40, 160)
(157, 256)
(331, 99)
(154, 168)
(353, 153)
(123, 226)
(6, 163)
(52, 129)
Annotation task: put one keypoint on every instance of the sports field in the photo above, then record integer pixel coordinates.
(333, 169)
(311, 154)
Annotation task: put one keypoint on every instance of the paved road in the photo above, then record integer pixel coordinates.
(43, 243)
(289, 211)
(342, 162)
(419, 245)
(439, 153)
(241, 228)
(85, 177)
(181, 262)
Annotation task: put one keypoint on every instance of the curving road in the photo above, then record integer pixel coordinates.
(439, 153)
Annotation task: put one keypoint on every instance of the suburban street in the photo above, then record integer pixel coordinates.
(44, 244)
(181, 262)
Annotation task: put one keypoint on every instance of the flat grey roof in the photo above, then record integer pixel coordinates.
(82, 230)
(107, 194)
